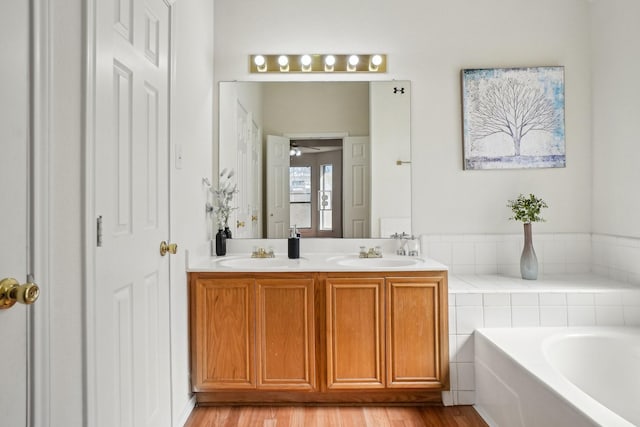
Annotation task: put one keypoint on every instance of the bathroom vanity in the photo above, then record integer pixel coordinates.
(321, 329)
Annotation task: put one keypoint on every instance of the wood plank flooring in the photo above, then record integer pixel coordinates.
(334, 416)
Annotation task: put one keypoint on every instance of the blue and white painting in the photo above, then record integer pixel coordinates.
(513, 118)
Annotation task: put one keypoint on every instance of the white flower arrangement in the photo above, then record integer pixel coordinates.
(223, 197)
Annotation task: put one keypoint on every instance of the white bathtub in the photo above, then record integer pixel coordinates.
(558, 376)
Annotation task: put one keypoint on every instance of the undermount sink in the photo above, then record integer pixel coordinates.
(377, 262)
(248, 262)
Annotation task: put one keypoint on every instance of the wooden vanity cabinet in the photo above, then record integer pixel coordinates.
(285, 326)
(222, 333)
(252, 333)
(386, 332)
(414, 330)
(319, 337)
(355, 333)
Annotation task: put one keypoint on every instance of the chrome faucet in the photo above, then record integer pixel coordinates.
(401, 249)
(407, 244)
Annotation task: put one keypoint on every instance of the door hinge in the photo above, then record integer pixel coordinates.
(99, 231)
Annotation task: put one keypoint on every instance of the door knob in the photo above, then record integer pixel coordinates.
(165, 248)
(239, 224)
(11, 291)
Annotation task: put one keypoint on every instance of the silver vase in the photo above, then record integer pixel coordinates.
(528, 259)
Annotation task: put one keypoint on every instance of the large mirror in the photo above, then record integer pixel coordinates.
(331, 158)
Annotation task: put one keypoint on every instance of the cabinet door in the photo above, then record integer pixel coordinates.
(355, 354)
(414, 344)
(222, 334)
(285, 337)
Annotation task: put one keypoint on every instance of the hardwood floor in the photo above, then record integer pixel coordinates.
(334, 416)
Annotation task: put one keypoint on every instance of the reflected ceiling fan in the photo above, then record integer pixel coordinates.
(294, 149)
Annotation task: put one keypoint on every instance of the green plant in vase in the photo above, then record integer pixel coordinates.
(526, 209)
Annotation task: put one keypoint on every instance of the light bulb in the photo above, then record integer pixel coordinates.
(353, 60)
(305, 62)
(283, 60)
(261, 63)
(374, 62)
(330, 60)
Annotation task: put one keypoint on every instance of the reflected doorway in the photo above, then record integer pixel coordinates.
(315, 187)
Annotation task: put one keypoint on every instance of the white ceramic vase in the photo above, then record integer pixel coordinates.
(528, 259)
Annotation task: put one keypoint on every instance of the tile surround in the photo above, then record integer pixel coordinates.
(605, 307)
(584, 280)
(500, 253)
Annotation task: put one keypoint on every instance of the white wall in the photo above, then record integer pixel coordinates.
(616, 113)
(303, 108)
(192, 129)
(429, 42)
(390, 115)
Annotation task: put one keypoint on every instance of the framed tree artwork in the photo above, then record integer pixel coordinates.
(513, 118)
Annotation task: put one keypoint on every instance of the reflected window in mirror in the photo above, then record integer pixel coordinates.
(300, 196)
(324, 198)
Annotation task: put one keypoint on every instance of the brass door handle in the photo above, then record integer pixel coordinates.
(239, 224)
(11, 291)
(165, 248)
(254, 218)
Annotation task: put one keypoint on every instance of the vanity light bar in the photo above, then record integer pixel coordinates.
(318, 63)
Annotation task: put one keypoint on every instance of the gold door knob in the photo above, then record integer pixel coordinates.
(11, 291)
(254, 218)
(239, 224)
(165, 248)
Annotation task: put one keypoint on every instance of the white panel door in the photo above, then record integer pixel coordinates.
(277, 187)
(131, 289)
(356, 186)
(256, 183)
(242, 215)
(14, 143)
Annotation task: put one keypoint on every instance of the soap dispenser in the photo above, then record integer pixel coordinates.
(294, 243)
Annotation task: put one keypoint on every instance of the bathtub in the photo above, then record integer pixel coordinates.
(558, 376)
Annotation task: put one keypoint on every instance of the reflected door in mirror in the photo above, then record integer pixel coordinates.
(278, 187)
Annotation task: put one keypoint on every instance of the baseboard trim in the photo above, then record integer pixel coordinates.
(277, 398)
(186, 412)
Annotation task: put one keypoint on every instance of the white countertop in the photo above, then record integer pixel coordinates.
(313, 262)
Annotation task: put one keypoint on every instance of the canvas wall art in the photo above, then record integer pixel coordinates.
(513, 118)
